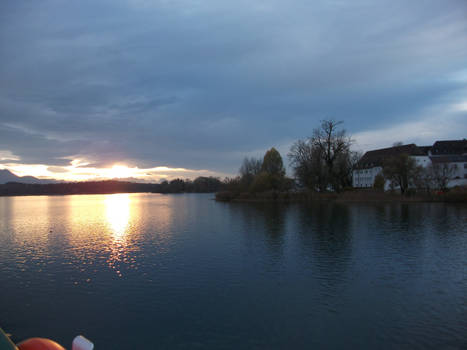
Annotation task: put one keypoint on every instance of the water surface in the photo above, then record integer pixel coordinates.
(185, 272)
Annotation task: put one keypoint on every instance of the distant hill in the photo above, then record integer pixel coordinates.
(8, 176)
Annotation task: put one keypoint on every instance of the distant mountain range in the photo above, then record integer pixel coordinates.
(8, 176)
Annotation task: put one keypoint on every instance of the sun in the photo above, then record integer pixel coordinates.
(120, 171)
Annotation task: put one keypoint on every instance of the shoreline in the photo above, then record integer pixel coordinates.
(357, 196)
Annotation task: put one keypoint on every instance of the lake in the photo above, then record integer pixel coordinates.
(151, 271)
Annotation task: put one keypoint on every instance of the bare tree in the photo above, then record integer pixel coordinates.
(324, 160)
(250, 166)
(423, 178)
(441, 173)
(331, 141)
(308, 165)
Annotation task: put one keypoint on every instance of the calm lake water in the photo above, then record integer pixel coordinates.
(150, 271)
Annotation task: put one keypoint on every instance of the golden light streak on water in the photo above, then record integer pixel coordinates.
(117, 209)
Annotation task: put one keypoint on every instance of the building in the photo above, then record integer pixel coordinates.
(450, 154)
(371, 164)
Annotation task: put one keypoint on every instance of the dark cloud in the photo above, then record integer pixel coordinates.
(198, 85)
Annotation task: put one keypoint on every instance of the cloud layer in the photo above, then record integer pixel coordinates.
(200, 84)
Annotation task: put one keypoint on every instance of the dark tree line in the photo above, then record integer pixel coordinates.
(260, 175)
(89, 187)
(199, 185)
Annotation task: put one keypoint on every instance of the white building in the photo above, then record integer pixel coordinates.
(451, 154)
(371, 164)
(365, 177)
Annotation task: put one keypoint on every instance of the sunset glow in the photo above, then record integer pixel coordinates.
(79, 170)
(120, 171)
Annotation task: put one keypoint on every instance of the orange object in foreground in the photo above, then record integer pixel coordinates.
(39, 344)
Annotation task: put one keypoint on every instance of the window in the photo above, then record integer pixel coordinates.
(465, 176)
(465, 165)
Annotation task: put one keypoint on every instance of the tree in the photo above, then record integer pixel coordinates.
(378, 184)
(203, 184)
(176, 186)
(250, 168)
(232, 185)
(343, 169)
(401, 170)
(262, 182)
(441, 173)
(423, 178)
(308, 166)
(272, 163)
(272, 173)
(164, 186)
(324, 160)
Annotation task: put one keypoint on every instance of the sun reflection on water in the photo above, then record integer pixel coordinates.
(118, 217)
(118, 213)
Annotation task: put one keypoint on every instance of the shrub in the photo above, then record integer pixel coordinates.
(379, 182)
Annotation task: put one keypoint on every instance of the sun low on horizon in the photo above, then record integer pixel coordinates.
(120, 171)
(78, 171)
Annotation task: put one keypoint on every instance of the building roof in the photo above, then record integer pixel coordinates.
(450, 147)
(449, 159)
(424, 149)
(376, 158)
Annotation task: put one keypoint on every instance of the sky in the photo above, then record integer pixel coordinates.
(173, 88)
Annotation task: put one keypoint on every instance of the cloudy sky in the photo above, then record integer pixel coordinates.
(169, 88)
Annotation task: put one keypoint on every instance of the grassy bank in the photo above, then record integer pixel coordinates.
(457, 195)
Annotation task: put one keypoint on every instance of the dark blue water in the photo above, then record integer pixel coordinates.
(185, 272)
